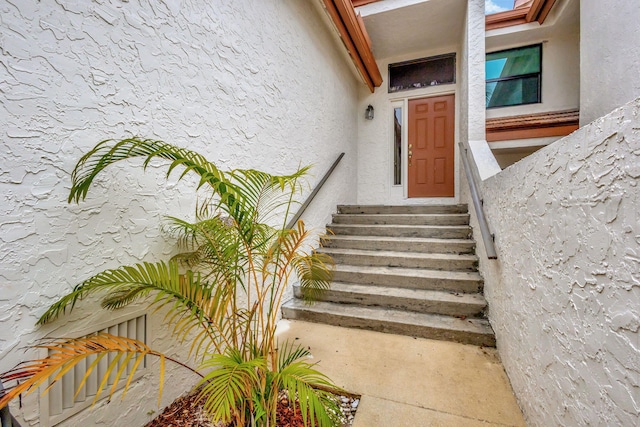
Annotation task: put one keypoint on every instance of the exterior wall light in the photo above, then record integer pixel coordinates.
(368, 114)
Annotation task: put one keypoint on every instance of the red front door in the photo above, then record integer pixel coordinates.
(431, 147)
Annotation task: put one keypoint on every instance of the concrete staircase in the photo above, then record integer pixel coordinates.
(407, 270)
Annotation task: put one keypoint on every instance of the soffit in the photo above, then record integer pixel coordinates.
(400, 27)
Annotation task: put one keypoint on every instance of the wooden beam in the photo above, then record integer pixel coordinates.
(360, 38)
(534, 10)
(356, 40)
(348, 42)
(546, 8)
(357, 3)
(506, 19)
(537, 11)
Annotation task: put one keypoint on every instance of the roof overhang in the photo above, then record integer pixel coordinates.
(357, 3)
(537, 11)
(400, 28)
(392, 25)
(355, 38)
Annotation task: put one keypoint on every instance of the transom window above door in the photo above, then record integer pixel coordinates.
(514, 76)
(423, 72)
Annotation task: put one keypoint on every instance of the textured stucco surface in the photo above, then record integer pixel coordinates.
(246, 83)
(472, 93)
(564, 294)
(609, 56)
(473, 52)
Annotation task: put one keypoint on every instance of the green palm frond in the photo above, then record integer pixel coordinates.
(227, 389)
(190, 260)
(65, 354)
(308, 386)
(194, 303)
(289, 353)
(109, 152)
(264, 194)
(132, 282)
(214, 244)
(315, 272)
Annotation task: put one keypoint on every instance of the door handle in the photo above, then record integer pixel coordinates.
(410, 153)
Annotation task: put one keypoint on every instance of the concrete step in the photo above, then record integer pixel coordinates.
(451, 262)
(413, 278)
(418, 300)
(404, 244)
(414, 209)
(402, 219)
(433, 326)
(430, 231)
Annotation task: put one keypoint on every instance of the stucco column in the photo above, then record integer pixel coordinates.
(473, 115)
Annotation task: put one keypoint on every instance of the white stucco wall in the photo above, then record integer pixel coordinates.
(474, 54)
(610, 56)
(564, 294)
(248, 84)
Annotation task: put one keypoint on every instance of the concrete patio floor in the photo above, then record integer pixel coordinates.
(411, 382)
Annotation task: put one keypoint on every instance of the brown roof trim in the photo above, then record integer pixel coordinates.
(544, 10)
(506, 19)
(538, 11)
(356, 39)
(357, 3)
(555, 123)
(534, 10)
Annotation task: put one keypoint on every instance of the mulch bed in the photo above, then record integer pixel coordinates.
(187, 412)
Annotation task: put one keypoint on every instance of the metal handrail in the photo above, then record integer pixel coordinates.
(306, 203)
(487, 236)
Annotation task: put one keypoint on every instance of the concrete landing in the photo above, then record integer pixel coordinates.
(411, 382)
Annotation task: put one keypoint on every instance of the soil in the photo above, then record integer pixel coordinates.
(186, 411)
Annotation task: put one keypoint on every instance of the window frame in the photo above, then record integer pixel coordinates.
(517, 77)
(401, 171)
(396, 65)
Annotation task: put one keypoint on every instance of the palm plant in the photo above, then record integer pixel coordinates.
(222, 293)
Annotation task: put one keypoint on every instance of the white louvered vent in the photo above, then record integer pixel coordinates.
(59, 403)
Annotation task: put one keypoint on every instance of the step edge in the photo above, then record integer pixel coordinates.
(476, 322)
(476, 298)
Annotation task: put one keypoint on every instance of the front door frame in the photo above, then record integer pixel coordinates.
(431, 151)
(404, 103)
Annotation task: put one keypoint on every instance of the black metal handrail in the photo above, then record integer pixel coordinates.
(476, 196)
(306, 203)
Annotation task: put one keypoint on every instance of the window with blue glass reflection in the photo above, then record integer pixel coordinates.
(514, 76)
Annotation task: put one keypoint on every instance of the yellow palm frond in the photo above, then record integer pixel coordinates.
(65, 354)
